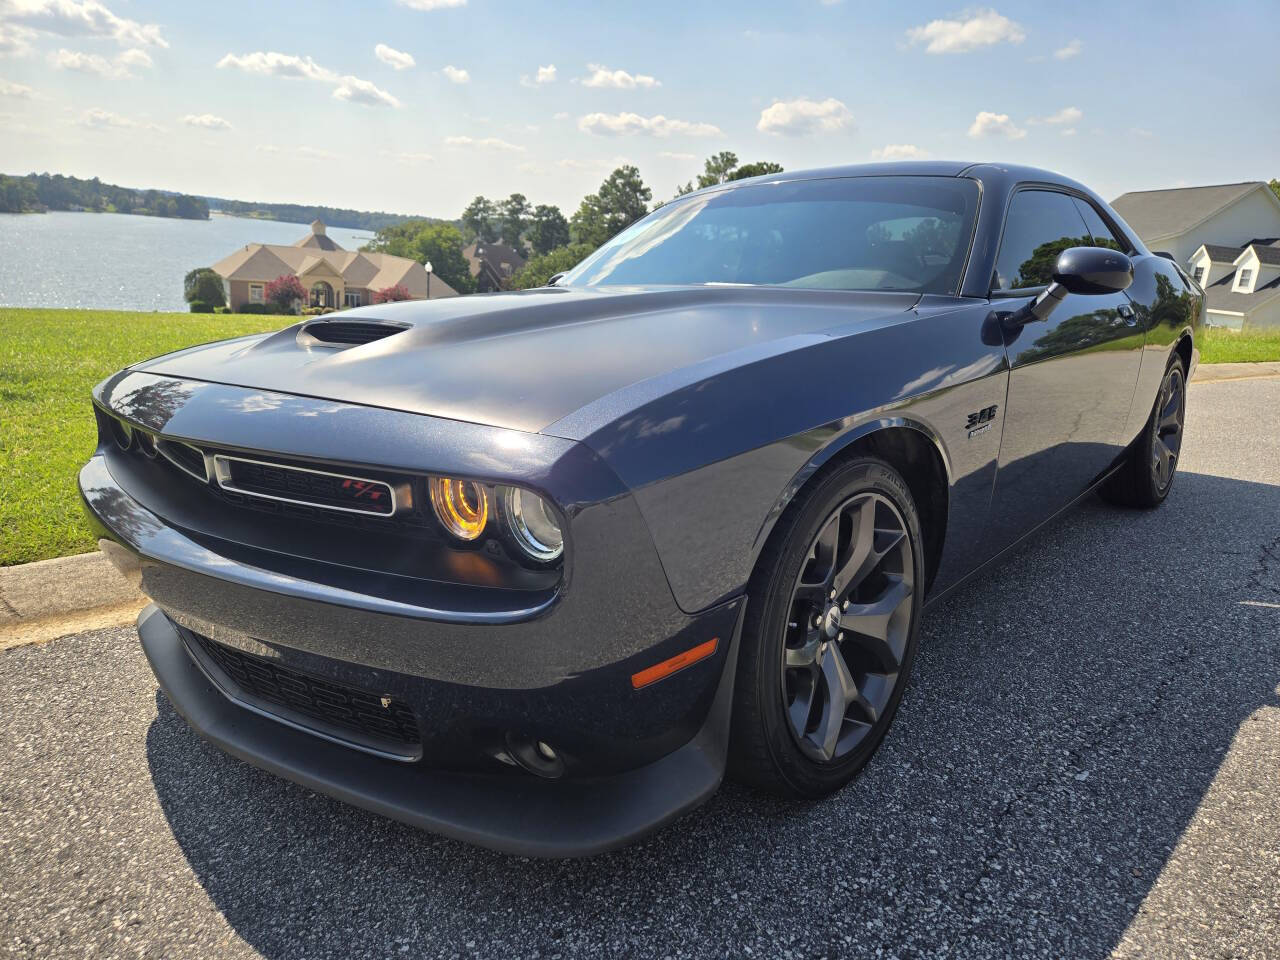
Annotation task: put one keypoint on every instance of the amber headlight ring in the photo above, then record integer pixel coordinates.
(462, 506)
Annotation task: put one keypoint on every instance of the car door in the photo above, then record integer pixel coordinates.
(1071, 377)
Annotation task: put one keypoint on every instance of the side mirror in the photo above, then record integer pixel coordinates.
(555, 279)
(1083, 270)
(1093, 270)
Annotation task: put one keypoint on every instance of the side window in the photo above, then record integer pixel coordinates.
(1103, 236)
(1039, 226)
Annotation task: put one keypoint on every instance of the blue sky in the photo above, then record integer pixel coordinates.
(416, 106)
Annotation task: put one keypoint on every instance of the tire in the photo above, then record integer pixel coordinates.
(783, 718)
(1149, 469)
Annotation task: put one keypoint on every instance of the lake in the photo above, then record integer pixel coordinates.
(119, 262)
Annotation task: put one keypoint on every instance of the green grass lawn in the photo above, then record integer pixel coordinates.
(1230, 346)
(49, 361)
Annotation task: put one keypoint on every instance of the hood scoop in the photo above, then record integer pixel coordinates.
(346, 333)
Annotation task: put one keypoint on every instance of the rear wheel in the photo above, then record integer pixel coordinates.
(830, 635)
(1147, 475)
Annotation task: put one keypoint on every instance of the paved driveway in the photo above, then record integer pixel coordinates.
(1087, 763)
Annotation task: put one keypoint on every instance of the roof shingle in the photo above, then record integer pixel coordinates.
(1163, 213)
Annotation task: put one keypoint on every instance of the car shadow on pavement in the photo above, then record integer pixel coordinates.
(1068, 712)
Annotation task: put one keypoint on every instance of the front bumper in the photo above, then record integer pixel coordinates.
(475, 675)
(520, 815)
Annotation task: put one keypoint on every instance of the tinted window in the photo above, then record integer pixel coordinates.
(1040, 225)
(853, 233)
(1103, 236)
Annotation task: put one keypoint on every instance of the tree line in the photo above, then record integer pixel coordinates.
(301, 213)
(551, 243)
(38, 193)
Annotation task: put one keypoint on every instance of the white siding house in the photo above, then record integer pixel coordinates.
(1227, 237)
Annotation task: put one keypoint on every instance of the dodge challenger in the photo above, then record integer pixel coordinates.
(536, 569)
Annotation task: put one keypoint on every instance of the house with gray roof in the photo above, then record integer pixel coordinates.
(332, 276)
(1227, 236)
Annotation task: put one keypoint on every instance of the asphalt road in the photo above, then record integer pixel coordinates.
(1087, 764)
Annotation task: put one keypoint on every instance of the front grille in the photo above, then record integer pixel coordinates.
(333, 705)
(349, 333)
(317, 488)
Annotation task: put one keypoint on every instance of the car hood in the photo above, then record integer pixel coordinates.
(526, 359)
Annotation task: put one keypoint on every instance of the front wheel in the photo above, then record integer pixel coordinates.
(1146, 476)
(830, 635)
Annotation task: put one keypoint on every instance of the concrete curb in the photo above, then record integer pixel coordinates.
(1217, 372)
(51, 598)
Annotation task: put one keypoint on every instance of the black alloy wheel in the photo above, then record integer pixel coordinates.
(1146, 476)
(829, 638)
(1166, 428)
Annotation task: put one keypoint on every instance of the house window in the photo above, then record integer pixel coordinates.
(1245, 275)
(351, 298)
(255, 293)
(1198, 274)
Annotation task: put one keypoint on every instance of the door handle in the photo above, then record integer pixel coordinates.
(1127, 314)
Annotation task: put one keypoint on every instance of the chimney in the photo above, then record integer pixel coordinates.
(317, 227)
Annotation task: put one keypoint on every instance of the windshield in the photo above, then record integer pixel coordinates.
(855, 233)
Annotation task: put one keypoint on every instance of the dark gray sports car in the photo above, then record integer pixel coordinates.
(534, 569)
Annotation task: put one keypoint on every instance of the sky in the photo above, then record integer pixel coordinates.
(416, 106)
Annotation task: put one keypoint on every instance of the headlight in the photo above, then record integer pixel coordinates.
(461, 505)
(532, 524)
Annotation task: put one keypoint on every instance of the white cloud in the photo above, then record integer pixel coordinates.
(801, 116)
(899, 151)
(544, 75)
(683, 157)
(1067, 116)
(271, 63)
(396, 59)
(89, 18)
(455, 74)
(206, 120)
(101, 119)
(65, 59)
(431, 4)
(15, 41)
(1072, 49)
(136, 57)
(1069, 132)
(314, 153)
(987, 124)
(982, 28)
(82, 62)
(16, 90)
(483, 143)
(617, 79)
(562, 115)
(410, 159)
(363, 92)
(267, 148)
(625, 124)
(274, 64)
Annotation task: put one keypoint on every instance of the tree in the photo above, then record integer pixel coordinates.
(755, 170)
(428, 241)
(548, 229)
(391, 294)
(283, 290)
(479, 220)
(621, 200)
(723, 167)
(440, 244)
(513, 220)
(717, 168)
(542, 268)
(204, 285)
(1275, 186)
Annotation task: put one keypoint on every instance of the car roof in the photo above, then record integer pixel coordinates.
(915, 168)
